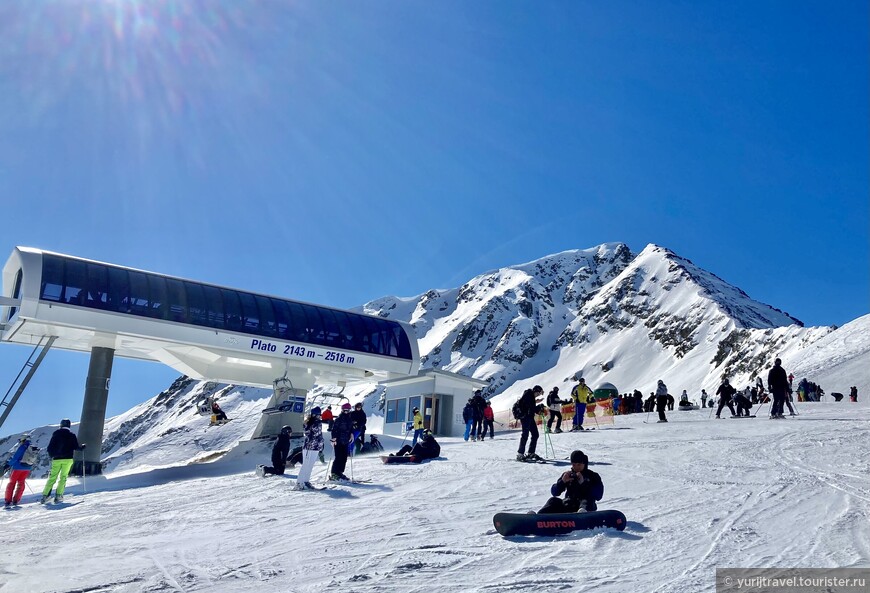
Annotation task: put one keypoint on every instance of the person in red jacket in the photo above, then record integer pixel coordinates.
(20, 470)
(488, 420)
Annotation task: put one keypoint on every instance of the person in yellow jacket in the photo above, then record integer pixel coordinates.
(418, 425)
(580, 394)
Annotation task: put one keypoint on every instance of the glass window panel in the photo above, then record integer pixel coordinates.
(176, 298)
(98, 286)
(413, 402)
(159, 305)
(396, 410)
(316, 332)
(282, 319)
(197, 311)
(118, 290)
(52, 279)
(345, 330)
(298, 323)
(139, 293)
(361, 340)
(214, 305)
(267, 316)
(76, 282)
(16, 292)
(250, 314)
(331, 331)
(232, 310)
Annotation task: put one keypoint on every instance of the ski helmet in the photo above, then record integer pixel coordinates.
(65, 423)
(287, 429)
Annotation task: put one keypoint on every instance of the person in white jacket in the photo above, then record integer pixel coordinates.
(311, 448)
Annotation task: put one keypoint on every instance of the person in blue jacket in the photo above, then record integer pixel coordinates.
(20, 471)
(582, 488)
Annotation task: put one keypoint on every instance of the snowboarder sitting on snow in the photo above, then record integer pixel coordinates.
(582, 488)
(427, 448)
(280, 452)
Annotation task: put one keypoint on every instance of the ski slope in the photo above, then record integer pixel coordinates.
(698, 493)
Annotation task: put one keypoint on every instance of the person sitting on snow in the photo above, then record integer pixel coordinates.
(219, 414)
(426, 448)
(582, 488)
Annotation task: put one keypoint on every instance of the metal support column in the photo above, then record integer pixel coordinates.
(94, 410)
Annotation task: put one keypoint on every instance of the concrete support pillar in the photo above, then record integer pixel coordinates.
(94, 411)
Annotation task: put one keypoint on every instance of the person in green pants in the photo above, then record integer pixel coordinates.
(60, 449)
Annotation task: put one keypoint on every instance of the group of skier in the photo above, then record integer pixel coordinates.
(478, 417)
(24, 456)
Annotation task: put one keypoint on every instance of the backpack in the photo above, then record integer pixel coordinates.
(517, 410)
(31, 456)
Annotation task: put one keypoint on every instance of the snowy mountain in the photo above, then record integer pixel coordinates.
(180, 509)
(604, 313)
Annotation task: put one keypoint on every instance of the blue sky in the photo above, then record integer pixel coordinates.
(338, 152)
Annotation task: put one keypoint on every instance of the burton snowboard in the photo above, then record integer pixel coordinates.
(555, 524)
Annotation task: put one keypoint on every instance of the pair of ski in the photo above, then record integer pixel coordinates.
(543, 461)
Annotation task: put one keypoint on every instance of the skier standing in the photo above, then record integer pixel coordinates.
(60, 448)
(529, 407)
(554, 402)
(418, 425)
(662, 400)
(478, 404)
(580, 394)
(777, 384)
(342, 436)
(488, 422)
(358, 416)
(311, 448)
(582, 488)
(19, 472)
(725, 392)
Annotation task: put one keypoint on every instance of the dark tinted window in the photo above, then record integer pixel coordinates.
(215, 306)
(52, 279)
(76, 280)
(118, 290)
(159, 307)
(108, 287)
(177, 300)
(139, 293)
(16, 292)
(250, 314)
(232, 310)
(98, 286)
(197, 311)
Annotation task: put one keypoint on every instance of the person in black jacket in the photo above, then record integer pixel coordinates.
(358, 416)
(725, 392)
(342, 437)
(280, 452)
(427, 448)
(582, 488)
(554, 402)
(529, 407)
(60, 448)
(478, 403)
(777, 384)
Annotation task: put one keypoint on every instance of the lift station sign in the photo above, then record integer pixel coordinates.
(303, 352)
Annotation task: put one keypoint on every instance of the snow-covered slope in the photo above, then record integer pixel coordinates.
(698, 494)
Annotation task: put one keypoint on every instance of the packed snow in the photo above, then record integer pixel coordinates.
(699, 493)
